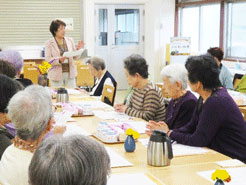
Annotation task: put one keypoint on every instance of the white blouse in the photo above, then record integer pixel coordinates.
(14, 166)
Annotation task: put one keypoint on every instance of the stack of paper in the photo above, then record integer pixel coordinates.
(182, 150)
(73, 92)
(111, 115)
(72, 129)
(139, 126)
(62, 118)
(179, 149)
(239, 98)
(116, 160)
(73, 53)
(144, 142)
(230, 163)
(237, 175)
(130, 179)
(94, 105)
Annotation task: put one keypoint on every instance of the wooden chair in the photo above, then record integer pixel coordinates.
(108, 94)
(237, 78)
(84, 77)
(27, 63)
(31, 73)
(243, 111)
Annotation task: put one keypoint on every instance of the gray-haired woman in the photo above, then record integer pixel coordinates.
(146, 101)
(98, 69)
(77, 160)
(31, 112)
(182, 104)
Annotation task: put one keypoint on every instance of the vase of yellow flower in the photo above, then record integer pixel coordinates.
(129, 144)
(221, 176)
(43, 70)
(43, 80)
(219, 182)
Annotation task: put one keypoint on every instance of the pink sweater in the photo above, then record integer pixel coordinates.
(52, 53)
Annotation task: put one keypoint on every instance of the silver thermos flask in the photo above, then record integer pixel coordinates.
(62, 96)
(159, 152)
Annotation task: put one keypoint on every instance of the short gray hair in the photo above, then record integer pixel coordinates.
(30, 110)
(175, 73)
(75, 160)
(97, 63)
(13, 57)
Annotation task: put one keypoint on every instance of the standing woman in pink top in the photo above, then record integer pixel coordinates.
(63, 71)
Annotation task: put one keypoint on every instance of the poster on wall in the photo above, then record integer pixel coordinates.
(180, 46)
(69, 23)
(180, 49)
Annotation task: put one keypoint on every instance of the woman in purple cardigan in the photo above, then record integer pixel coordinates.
(183, 102)
(217, 122)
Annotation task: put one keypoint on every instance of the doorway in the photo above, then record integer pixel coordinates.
(118, 34)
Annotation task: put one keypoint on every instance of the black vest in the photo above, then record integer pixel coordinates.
(98, 91)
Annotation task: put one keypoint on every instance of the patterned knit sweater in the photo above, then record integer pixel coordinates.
(147, 103)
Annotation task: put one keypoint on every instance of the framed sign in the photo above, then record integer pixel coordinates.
(180, 46)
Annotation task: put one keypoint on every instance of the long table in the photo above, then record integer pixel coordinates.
(183, 170)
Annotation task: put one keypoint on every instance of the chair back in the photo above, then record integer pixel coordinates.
(84, 77)
(243, 111)
(31, 73)
(237, 78)
(108, 94)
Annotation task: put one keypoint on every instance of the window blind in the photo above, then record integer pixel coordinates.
(26, 22)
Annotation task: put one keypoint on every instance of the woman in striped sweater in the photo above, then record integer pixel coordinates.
(146, 101)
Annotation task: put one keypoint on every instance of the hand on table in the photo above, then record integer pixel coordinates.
(82, 91)
(120, 107)
(152, 125)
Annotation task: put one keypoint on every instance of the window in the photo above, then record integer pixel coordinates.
(200, 20)
(103, 27)
(236, 30)
(202, 24)
(127, 26)
(210, 27)
(190, 26)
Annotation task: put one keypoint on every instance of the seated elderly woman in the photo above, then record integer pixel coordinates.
(15, 58)
(31, 112)
(146, 101)
(225, 75)
(217, 122)
(8, 88)
(69, 160)
(7, 69)
(183, 102)
(98, 70)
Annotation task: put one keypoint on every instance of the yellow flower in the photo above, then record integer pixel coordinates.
(221, 174)
(131, 132)
(44, 67)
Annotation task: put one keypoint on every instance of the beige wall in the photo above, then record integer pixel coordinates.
(159, 27)
(26, 22)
